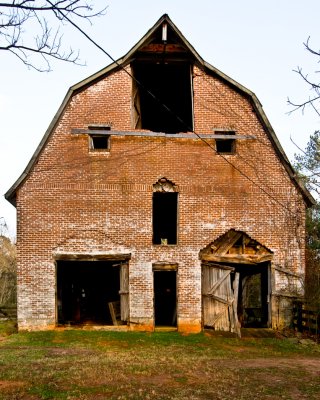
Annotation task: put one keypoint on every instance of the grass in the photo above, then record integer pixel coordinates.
(76, 364)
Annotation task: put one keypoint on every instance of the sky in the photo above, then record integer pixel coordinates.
(256, 43)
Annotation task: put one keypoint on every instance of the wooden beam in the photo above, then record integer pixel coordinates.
(78, 131)
(164, 266)
(238, 259)
(220, 266)
(230, 240)
(220, 299)
(163, 48)
(91, 257)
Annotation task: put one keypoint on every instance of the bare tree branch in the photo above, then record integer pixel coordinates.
(313, 84)
(32, 30)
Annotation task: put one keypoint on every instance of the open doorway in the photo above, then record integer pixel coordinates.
(253, 299)
(85, 290)
(165, 298)
(235, 293)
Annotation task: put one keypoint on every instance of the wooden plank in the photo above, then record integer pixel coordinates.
(229, 240)
(80, 131)
(237, 325)
(220, 299)
(219, 282)
(237, 259)
(114, 308)
(164, 266)
(220, 266)
(91, 257)
(163, 48)
(124, 292)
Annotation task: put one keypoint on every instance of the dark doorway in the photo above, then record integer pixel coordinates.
(169, 108)
(253, 300)
(164, 218)
(165, 298)
(84, 289)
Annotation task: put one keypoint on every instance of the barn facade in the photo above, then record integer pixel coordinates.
(159, 196)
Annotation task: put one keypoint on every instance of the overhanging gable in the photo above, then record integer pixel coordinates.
(236, 247)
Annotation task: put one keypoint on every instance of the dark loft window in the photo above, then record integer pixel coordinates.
(164, 218)
(171, 86)
(226, 146)
(100, 142)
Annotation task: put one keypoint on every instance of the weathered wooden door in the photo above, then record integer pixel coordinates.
(124, 291)
(220, 297)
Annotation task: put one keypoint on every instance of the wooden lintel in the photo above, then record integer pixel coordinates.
(239, 259)
(164, 266)
(91, 257)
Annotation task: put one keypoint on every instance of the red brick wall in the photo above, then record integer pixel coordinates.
(75, 201)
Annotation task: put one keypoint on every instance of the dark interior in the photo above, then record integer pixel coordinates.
(84, 289)
(165, 217)
(170, 110)
(226, 146)
(253, 294)
(165, 298)
(100, 142)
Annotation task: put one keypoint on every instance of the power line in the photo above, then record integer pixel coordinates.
(189, 129)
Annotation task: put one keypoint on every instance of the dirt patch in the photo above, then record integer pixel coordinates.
(112, 343)
(310, 364)
(7, 385)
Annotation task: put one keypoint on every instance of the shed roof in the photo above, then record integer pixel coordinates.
(125, 60)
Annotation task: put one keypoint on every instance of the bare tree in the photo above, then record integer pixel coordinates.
(312, 82)
(32, 30)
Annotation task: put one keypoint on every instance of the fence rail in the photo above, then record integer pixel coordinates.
(306, 319)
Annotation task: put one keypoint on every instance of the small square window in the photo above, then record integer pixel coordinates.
(100, 142)
(225, 146)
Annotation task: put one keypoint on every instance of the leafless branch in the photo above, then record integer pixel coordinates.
(314, 86)
(32, 30)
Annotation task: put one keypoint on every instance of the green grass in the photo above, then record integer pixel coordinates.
(76, 364)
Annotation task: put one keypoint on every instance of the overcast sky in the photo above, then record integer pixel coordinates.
(257, 43)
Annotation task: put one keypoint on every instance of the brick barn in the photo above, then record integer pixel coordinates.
(159, 196)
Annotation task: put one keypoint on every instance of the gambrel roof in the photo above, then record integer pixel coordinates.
(185, 47)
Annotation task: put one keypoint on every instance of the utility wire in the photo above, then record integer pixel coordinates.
(170, 111)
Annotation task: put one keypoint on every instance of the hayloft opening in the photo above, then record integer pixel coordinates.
(164, 217)
(100, 142)
(169, 108)
(88, 292)
(165, 298)
(226, 146)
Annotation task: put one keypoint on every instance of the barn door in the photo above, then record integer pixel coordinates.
(220, 298)
(124, 291)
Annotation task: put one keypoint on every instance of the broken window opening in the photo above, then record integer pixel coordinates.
(225, 146)
(99, 142)
(165, 298)
(85, 290)
(170, 108)
(165, 206)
